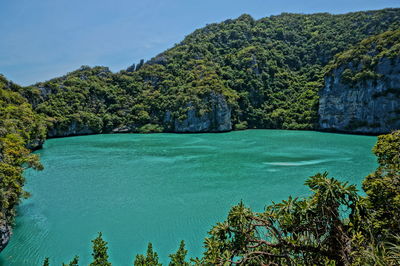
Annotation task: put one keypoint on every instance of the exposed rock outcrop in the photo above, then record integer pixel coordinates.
(5, 234)
(35, 144)
(217, 120)
(370, 106)
(74, 129)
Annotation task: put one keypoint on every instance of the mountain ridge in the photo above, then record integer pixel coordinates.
(269, 72)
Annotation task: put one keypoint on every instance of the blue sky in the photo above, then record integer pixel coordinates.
(42, 39)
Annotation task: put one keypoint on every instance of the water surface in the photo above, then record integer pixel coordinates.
(166, 187)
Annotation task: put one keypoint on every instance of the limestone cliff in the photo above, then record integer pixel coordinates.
(362, 89)
(217, 120)
(5, 234)
(371, 106)
(73, 129)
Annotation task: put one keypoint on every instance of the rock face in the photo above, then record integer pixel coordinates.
(5, 234)
(74, 129)
(218, 120)
(35, 144)
(368, 107)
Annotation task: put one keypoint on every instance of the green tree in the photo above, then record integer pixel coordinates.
(269, 71)
(151, 258)
(383, 188)
(100, 256)
(74, 262)
(20, 129)
(178, 259)
(306, 232)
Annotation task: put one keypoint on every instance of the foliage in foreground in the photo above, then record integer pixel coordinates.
(333, 226)
(100, 256)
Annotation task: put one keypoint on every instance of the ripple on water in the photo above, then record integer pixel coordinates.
(166, 187)
(298, 163)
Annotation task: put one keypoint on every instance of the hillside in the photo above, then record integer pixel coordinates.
(362, 87)
(20, 128)
(241, 73)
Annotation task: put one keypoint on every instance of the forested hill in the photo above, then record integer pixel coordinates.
(239, 73)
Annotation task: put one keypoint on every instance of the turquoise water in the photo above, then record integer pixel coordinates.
(166, 187)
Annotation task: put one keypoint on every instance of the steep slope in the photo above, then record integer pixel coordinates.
(85, 101)
(275, 65)
(94, 100)
(239, 73)
(362, 87)
(20, 128)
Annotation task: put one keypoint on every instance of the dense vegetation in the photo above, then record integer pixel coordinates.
(269, 70)
(20, 128)
(333, 226)
(360, 62)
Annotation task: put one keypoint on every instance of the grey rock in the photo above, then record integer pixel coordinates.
(168, 117)
(45, 91)
(125, 129)
(74, 129)
(5, 234)
(160, 59)
(35, 144)
(217, 120)
(369, 107)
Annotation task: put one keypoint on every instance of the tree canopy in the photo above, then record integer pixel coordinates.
(269, 70)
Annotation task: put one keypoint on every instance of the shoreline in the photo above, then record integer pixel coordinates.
(227, 131)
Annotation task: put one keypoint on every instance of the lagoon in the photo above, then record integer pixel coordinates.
(163, 188)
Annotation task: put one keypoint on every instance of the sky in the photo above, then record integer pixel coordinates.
(43, 39)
